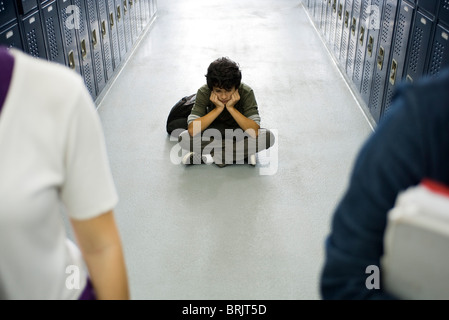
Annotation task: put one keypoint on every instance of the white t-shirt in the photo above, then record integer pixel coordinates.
(53, 160)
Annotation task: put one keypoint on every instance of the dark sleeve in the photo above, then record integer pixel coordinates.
(249, 103)
(202, 100)
(391, 159)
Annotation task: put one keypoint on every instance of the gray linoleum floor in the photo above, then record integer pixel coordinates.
(239, 232)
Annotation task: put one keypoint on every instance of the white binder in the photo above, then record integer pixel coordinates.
(415, 264)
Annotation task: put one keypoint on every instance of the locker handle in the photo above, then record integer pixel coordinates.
(94, 37)
(394, 68)
(370, 45)
(334, 6)
(125, 7)
(83, 49)
(340, 11)
(362, 35)
(103, 28)
(380, 58)
(346, 19)
(354, 23)
(71, 60)
(130, 3)
(119, 13)
(111, 19)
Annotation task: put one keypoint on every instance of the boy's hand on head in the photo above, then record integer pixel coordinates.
(216, 101)
(235, 97)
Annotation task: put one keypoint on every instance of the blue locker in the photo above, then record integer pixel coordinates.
(443, 12)
(153, 7)
(374, 23)
(430, 6)
(311, 9)
(439, 57)
(361, 44)
(315, 11)
(150, 9)
(324, 5)
(85, 49)
(33, 33)
(383, 56)
(323, 9)
(339, 28)
(346, 32)
(113, 33)
(396, 65)
(327, 22)
(133, 20)
(127, 25)
(143, 15)
(7, 13)
(10, 37)
(52, 31)
(105, 39)
(69, 22)
(26, 6)
(120, 29)
(333, 23)
(353, 37)
(418, 50)
(137, 4)
(93, 27)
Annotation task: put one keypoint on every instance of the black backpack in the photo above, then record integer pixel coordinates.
(177, 118)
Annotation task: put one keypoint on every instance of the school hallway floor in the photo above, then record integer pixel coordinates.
(238, 232)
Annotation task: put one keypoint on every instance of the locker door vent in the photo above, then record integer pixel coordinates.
(52, 42)
(437, 59)
(415, 49)
(399, 35)
(32, 43)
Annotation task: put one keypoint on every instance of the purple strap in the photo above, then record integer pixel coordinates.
(6, 67)
(88, 292)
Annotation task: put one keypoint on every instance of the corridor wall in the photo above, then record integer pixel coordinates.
(92, 37)
(377, 44)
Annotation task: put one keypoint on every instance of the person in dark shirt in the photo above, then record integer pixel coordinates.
(410, 143)
(224, 124)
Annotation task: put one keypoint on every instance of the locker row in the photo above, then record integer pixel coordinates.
(92, 37)
(380, 43)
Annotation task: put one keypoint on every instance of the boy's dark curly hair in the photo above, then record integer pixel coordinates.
(224, 73)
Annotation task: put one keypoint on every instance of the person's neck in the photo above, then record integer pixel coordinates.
(6, 68)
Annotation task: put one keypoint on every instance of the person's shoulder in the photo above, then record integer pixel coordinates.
(431, 90)
(48, 71)
(53, 86)
(245, 88)
(432, 83)
(425, 98)
(204, 89)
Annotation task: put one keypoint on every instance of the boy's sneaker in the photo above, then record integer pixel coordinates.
(192, 158)
(252, 160)
(220, 165)
(207, 159)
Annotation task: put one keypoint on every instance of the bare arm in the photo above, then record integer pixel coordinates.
(204, 122)
(100, 244)
(247, 125)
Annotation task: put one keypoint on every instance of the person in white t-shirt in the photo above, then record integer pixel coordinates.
(53, 161)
